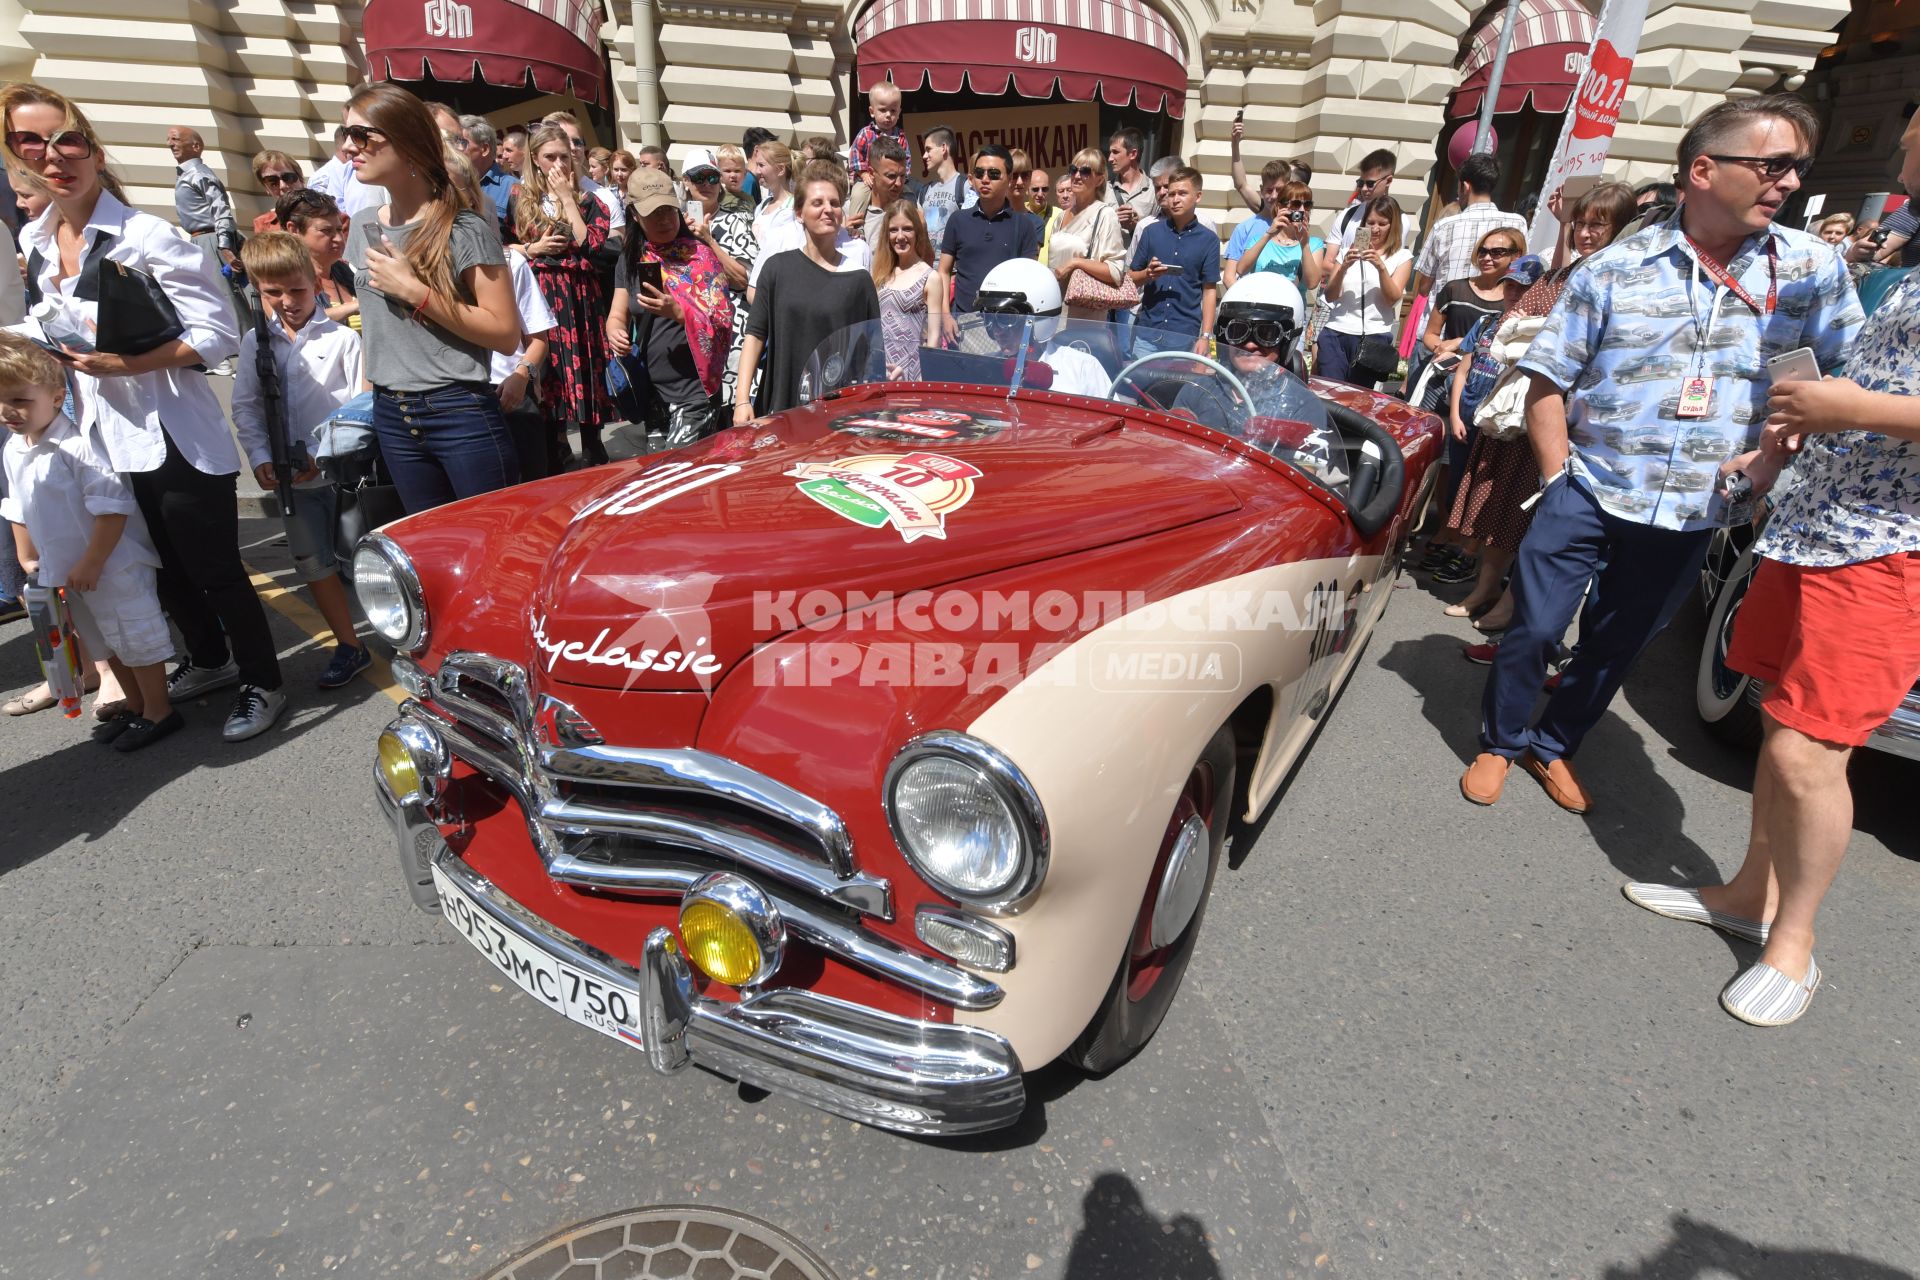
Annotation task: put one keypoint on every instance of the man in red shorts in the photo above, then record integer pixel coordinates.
(1831, 624)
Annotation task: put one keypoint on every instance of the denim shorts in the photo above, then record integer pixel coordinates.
(311, 531)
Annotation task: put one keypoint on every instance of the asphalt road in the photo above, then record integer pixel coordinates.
(1419, 1039)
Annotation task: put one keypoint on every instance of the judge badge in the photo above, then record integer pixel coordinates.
(1696, 394)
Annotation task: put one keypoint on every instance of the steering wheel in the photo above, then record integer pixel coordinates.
(1188, 378)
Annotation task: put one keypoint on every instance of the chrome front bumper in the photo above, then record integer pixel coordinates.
(877, 1068)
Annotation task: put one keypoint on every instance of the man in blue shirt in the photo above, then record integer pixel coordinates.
(990, 232)
(1176, 263)
(1248, 231)
(483, 148)
(1712, 294)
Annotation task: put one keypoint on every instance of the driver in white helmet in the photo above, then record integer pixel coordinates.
(1021, 290)
(1258, 328)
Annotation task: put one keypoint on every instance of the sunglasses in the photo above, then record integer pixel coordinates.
(1238, 331)
(1366, 184)
(1083, 171)
(1488, 251)
(989, 175)
(1038, 188)
(1299, 204)
(1772, 168)
(364, 135)
(705, 178)
(278, 179)
(72, 144)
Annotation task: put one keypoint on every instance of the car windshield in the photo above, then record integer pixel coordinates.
(1241, 393)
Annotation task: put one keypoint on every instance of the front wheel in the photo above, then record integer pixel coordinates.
(1721, 695)
(1168, 925)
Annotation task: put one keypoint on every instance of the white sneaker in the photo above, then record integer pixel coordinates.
(254, 712)
(188, 681)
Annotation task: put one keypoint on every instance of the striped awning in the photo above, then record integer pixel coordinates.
(1542, 22)
(1118, 49)
(1544, 63)
(552, 46)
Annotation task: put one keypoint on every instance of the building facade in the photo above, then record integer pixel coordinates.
(1325, 81)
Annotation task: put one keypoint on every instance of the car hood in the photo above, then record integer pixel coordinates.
(677, 566)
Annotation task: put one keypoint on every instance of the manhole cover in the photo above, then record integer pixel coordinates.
(668, 1242)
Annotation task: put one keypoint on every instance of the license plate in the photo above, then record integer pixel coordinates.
(612, 1010)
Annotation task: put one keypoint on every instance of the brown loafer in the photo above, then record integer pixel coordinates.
(1561, 786)
(1485, 778)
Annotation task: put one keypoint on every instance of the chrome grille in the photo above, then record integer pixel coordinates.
(653, 821)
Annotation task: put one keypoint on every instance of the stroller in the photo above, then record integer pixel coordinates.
(349, 456)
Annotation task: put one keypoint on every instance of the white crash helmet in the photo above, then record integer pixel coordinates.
(1021, 286)
(1265, 297)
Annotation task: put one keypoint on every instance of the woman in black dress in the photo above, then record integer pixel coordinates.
(805, 296)
(561, 228)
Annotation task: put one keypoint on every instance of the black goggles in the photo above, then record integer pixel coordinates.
(1262, 332)
(1008, 304)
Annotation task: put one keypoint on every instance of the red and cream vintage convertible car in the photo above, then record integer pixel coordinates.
(884, 749)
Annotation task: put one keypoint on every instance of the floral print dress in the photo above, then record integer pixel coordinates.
(575, 381)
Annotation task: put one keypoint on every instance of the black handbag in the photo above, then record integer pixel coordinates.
(135, 314)
(1378, 358)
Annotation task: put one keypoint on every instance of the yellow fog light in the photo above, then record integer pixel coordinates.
(731, 931)
(397, 768)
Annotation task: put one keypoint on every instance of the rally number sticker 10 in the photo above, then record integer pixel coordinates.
(578, 996)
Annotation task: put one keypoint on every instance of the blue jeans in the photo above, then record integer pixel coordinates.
(447, 443)
(1640, 575)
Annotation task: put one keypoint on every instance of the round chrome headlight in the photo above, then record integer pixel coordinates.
(389, 592)
(967, 820)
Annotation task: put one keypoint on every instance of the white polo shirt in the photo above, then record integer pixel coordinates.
(56, 488)
(319, 372)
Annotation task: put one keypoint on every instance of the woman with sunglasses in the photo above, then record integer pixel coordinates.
(279, 176)
(152, 411)
(727, 231)
(435, 303)
(562, 228)
(1458, 306)
(1088, 240)
(1500, 475)
(1289, 247)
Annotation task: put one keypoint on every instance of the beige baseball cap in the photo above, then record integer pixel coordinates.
(650, 191)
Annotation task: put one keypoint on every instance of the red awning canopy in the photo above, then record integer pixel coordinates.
(1545, 61)
(552, 44)
(1120, 50)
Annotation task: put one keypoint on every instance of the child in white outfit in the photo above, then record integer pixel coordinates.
(319, 363)
(76, 525)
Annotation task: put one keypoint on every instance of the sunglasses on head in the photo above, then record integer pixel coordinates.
(1492, 251)
(988, 175)
(1238, 331)
(1772, 168)
(278, 179)
(361, 135)
(71, 143)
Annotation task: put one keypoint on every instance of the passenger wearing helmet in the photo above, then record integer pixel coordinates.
(1258, 331)
(1022, 297)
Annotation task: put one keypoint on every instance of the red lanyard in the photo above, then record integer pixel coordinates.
(1724, 278)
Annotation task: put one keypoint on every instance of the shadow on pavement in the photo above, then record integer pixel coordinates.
(1123, 1240)
(1699, 1250)
(1638, 816)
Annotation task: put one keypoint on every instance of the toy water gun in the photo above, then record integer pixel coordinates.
(57, 644)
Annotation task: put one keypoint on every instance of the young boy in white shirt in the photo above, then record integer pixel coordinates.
(76, 525)
(319, 363)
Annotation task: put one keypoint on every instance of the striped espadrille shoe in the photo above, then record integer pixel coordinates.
(1677, 903)
(1765, 997)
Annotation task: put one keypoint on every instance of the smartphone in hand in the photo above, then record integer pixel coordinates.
(647, 273)
(1797, 365)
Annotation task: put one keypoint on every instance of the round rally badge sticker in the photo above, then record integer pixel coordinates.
(912, 492)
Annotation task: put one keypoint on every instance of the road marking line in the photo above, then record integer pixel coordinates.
(294, 609)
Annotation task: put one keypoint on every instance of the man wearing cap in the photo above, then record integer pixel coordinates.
(1616, 424)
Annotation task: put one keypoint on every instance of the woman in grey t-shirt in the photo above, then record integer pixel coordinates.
(435, 300)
